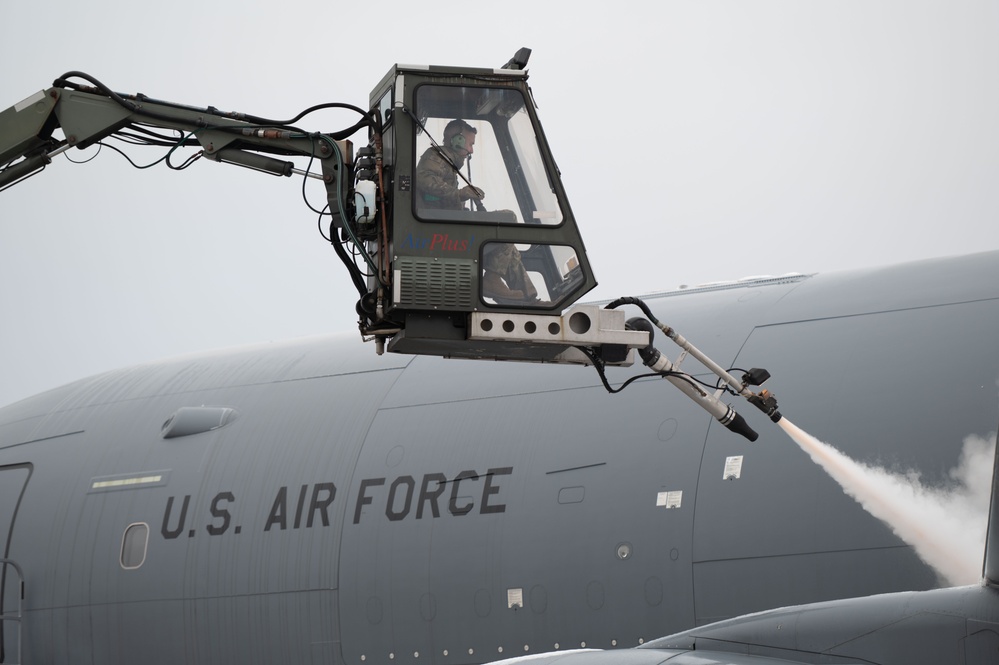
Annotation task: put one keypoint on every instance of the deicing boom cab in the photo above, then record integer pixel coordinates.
(450, 256)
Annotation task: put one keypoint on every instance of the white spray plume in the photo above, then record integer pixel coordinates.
(946, 527)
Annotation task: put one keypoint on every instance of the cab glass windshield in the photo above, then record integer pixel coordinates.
(477, 159)
(525, 275)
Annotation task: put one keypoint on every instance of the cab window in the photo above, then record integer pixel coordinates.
(526, 275)
(478, 160)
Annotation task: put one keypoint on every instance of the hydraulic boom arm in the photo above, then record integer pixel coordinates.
(87, 115)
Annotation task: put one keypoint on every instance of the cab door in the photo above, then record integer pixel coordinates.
(13, 480)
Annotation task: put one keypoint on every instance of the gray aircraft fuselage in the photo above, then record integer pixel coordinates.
(311, 502)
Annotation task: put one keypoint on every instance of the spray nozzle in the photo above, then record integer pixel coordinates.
(766, 402)
(739, 425)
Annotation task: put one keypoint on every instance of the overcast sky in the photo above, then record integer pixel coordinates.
(698, 141)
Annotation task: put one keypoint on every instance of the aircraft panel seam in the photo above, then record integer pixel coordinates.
(358, 451)
(204, 389)
(798, 554)
(876, 312)
(181, 599)
(44, 438)
(724, 286)
(489, 397)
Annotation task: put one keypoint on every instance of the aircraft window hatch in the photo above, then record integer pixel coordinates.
(568, 495)
(188, 420)
(11, 610)
(134, 543)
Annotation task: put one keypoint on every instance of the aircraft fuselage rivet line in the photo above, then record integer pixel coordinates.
(471, 651)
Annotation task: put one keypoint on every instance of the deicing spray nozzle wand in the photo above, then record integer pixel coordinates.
(764, 400)
(660, 364)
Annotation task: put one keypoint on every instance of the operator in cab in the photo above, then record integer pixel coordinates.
(504, 278)
(439, 167)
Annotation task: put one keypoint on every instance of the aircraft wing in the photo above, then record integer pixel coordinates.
(658, 657)
(954, 625)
